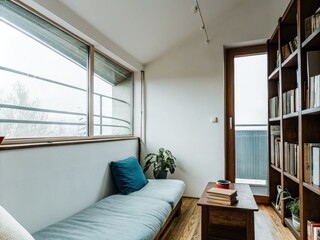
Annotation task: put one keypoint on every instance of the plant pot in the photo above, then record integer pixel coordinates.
(296, 222)
(162, 175)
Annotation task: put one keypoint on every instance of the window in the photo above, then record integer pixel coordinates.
(112, 97)
(44, 82)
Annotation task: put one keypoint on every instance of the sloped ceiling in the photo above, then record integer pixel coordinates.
(148, 28)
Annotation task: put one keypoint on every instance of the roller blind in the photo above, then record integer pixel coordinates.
(44, 32)
(60, 41)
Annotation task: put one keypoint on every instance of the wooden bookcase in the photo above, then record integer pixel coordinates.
(303, 124)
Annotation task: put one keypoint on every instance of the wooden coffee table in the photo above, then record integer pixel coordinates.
(228, 222)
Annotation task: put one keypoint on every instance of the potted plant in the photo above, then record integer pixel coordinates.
(294, 207)
(162, 162)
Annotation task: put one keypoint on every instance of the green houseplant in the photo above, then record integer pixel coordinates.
(294, 207)
(162, 162)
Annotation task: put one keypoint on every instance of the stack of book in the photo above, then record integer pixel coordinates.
(291, 158)
(275, 142)
(290, 101)
(274, 107)
(312, 23)
(221, 196)
(312, 88)
(289, 48)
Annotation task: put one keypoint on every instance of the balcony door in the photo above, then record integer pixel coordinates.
(246, 118)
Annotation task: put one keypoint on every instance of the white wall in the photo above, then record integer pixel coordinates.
(40, 186)
(186, 86)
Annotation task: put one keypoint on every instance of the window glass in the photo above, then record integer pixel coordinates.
(112, 97)
(43, 77)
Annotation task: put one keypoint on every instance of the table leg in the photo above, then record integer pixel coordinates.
(250, 225)
(204, 223)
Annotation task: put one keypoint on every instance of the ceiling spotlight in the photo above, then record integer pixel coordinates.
(195, 9)
(202, 27)
(207, 41)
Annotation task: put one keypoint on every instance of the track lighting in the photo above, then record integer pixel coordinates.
(197, 9)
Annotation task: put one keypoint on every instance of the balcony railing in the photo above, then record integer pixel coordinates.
(252, 152)
(126, 124)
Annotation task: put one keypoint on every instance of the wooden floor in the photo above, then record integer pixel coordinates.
(187, 225)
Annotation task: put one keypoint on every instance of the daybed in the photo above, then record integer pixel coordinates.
(139, 215)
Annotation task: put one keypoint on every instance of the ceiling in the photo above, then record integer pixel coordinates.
(148, 28)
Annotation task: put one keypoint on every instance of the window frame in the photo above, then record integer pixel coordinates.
(13, 143)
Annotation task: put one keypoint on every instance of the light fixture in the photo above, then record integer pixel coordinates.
(197, 9)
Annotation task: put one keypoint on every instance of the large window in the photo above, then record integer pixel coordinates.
(44, 79)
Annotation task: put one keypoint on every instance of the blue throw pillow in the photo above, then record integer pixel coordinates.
(128, 175)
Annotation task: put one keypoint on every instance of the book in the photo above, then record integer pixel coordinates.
(309, 233)
(284, 102)
(219, 198)
(291, 158)
(274, 107)
(315, 164)
(274, 134)
(307, 172)
(285, 50)
(286, 157)
(313, 225)
(222, 192)
(316, 91)
(313, 85)
(307, 27)
(222, 202)
(296, 103)
(277, 151)
(316, 233)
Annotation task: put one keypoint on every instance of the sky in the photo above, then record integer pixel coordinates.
(251, 90)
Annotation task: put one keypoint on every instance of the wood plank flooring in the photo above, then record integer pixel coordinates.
(188, 225)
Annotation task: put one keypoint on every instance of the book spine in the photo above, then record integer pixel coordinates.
(307, 172)
(315, 165)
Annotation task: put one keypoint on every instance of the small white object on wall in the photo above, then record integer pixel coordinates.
(214, 119)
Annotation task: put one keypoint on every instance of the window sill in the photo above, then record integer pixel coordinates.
(33, 143)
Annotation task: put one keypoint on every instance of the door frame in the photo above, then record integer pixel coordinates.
(230, 54)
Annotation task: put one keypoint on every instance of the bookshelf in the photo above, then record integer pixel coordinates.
(291, 110)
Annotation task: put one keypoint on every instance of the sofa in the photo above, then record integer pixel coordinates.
(136, 215)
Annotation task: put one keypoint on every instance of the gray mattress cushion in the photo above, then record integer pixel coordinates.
(116, 217)
(169, 190)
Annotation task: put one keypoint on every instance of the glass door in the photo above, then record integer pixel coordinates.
(250, 121)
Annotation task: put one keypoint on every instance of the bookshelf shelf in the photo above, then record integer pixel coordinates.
(311, 111)
(312, 42)
(312, 187)
(292, 60)
(294, 71)
(276, 168)
(276, 119)
(274, 75)
(288, 222)
(293, 178)
(291, 115)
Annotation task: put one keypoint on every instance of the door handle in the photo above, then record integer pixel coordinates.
(230, 123)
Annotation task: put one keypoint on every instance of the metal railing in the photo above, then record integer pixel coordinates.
(70, 113)
(251, 151)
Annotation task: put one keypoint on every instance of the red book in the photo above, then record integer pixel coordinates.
(313, 225)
